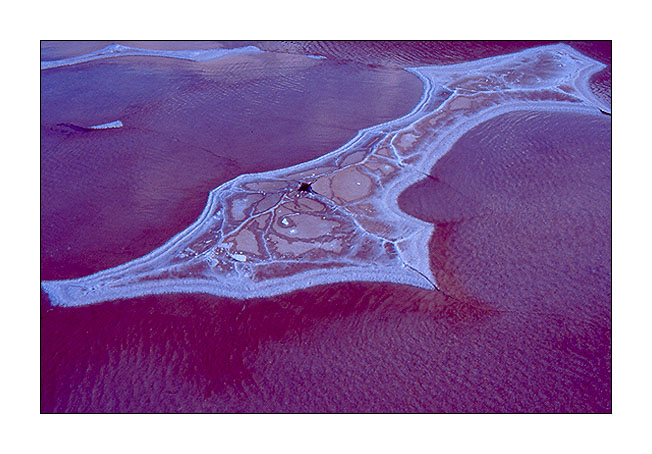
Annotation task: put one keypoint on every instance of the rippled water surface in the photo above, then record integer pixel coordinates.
(521, 206)
(188, 127)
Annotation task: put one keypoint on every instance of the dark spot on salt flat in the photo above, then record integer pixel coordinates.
(305, 187)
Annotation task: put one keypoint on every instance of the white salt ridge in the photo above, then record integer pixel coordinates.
(117, 50)
(111, 125)
(154, 273)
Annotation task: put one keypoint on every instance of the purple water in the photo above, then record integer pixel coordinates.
(522, 245)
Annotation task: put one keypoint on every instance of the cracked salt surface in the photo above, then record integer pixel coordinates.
(263, 234)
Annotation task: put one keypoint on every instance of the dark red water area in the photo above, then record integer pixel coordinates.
(348, 347)
(522, 244)
(522, 209)
(109, 196)
(342, 348)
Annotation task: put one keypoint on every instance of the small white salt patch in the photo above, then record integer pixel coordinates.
(111, 125)
(284, 221)
(239, 257)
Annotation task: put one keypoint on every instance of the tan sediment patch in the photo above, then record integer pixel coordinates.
(422, 126)
(286, 208)
(353, 158)
(390, 249)
(350, 185)
(381, 166)
(482, 101)
(239, 205)
(385, 151)
(553, 95)
(261, 221)
(304, 226)
(322, 186)
(267, 202)
(296, 248)
(307, 204)
(567, 88)
(293, 248)
(461, 102)
(334, 245)
(405, 139)
(246, 241)
(437, 120)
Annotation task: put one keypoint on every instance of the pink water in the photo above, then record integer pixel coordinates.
(522, 245)
(188, 128)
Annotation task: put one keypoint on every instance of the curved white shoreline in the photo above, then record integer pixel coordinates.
(124, 281)
(118, 50)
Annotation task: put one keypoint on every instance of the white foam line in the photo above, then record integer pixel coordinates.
(118, 50)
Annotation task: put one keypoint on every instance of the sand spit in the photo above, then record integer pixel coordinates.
(118, 50)
(336, 218)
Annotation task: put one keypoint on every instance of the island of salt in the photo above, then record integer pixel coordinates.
(263, 234)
